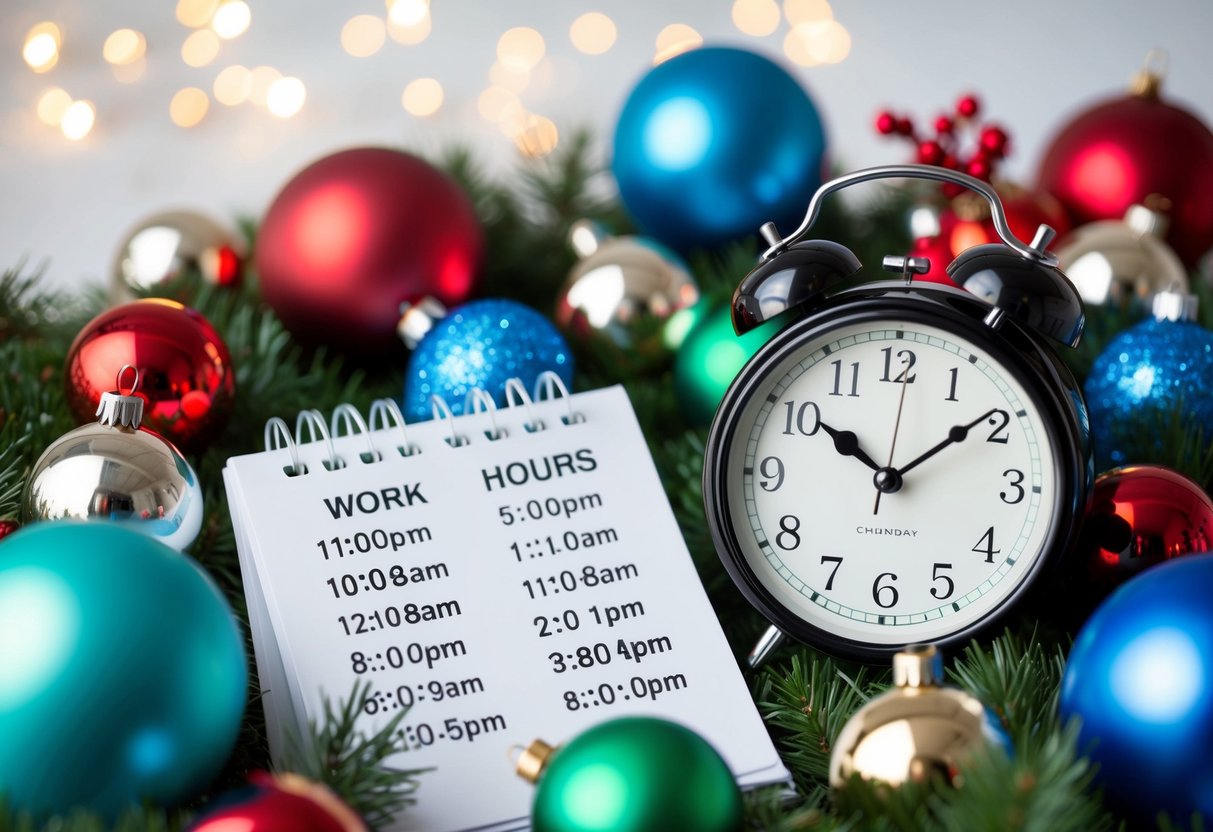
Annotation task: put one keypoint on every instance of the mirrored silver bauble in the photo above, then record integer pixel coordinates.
(173, 244)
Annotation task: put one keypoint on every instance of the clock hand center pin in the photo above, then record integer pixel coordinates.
(887, 480)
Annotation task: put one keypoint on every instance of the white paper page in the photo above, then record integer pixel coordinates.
(527, 587)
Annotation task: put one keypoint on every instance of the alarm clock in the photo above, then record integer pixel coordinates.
(903, 460)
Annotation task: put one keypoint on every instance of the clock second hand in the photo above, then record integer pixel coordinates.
(905, 376)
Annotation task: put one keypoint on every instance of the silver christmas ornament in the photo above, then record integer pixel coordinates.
(171, 244)
(115, 470)
(1124, 263)
(618, 281)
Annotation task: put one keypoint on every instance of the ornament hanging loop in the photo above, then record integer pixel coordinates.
(121, 409)
(134, 384)
(1154, 68)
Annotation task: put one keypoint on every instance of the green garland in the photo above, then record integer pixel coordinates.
(804, 696)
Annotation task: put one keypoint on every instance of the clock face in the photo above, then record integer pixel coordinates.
(890, 482)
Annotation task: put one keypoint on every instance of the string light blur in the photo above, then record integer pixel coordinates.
(422, 97)
(188, 107)
(41, 49)
(52, 104)
(196, 13)
(124, 46)
(807, 11)
(756, 17)
(412, 33)
(231, 19)
(263, 77)
(537, 136)
(824, 42)
(78, 120)
(363, 36)
(407, 12)
(509, 77)
(520, 48)
(285, 97)
(674, 40)
(233, 85)
(129, 73)
(497, 104)
(593, 33)
(200, 48)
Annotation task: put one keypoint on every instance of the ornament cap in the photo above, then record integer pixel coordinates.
(586, 237)
(1173, 305)
(416, 319)
(119, 409)
(1149, 219)
(533, 760)
(918, 666)
(1148, 80)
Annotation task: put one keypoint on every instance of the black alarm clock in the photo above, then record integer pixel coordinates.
(902, 461)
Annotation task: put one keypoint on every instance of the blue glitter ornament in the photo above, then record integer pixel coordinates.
(1140, 677)
(715, 142)
(482, 344)
(122, 670)
(1147, 373)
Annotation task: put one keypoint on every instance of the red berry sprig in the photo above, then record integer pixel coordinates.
(990, 144)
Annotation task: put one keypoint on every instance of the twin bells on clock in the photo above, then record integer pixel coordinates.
(1019, 280)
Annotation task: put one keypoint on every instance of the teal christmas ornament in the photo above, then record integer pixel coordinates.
(482, 344)
(715, 142)
(1140, 679)
(1145, 375)
(122, 670)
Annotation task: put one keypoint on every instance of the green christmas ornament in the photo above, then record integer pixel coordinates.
(710, 357)
(635, 774)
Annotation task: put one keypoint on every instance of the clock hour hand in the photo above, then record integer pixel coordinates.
(847, 444)
(956, 433)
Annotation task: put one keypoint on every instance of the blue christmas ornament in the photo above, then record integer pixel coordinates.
(1140, 677)
(122, 670)
(715, 142)
(482, 344)
(1147, 373)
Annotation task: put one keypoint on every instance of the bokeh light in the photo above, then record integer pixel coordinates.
(130, 73)
(422, 97)
(535, 135)
(41, 49)
(233, 85)
(756, 17)
(231, 19)
(52, 104)
(674, 40)
(509, 77)
(196, 13)
(188, 107)
(363, 36)
(407, 12)
(520, 48)
(78, 120)
(124, 46)
(200, 48)
(593, 33)
(807, 11)
(410, 34)
(285, 97)
(263, 77)
(824, 42)
(497, 104)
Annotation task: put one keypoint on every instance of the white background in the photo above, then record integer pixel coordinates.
(1034, 63)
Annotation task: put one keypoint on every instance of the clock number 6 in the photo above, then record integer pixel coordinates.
(935, 576)
(888, 591)
(800, 418)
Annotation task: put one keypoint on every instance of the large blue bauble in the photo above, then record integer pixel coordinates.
(122, 670)
(1147, 373)
(715, 142)
(482, 344)
(1140, 676)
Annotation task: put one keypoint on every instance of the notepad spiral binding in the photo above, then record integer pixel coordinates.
(386, 415)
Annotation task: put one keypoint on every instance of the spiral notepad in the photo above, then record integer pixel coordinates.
(510, 574)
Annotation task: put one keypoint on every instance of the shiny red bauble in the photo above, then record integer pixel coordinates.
(1142, 515)
(7, 527)
(186, 378)
(356, 234)
(282, 803)
(1121, 151)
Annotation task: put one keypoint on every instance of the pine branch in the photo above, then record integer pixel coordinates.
(353, 764)
(134, 819)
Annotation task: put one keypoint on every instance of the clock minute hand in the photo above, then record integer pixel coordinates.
(847, 444)
(957, 433)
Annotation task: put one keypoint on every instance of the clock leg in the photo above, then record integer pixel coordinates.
(765, 646)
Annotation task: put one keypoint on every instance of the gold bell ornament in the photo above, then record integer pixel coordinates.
(919, 729)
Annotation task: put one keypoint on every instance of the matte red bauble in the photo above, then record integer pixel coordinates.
(282, 803)
(358, 233)
(186, 377)
(1121, 151)
(1142, 515)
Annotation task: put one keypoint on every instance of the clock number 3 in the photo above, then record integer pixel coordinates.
(1016, 482)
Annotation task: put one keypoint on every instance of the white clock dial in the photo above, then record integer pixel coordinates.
(882, 528)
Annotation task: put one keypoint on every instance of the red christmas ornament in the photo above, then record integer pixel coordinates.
(968, 106)
(1121, 151)
(1142, 515)
(7, 527)
(939, 254)
(282, 803)
(186, 377)
(353, 236)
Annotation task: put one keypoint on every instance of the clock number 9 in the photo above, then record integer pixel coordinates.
(886, 592)
(776, 475)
